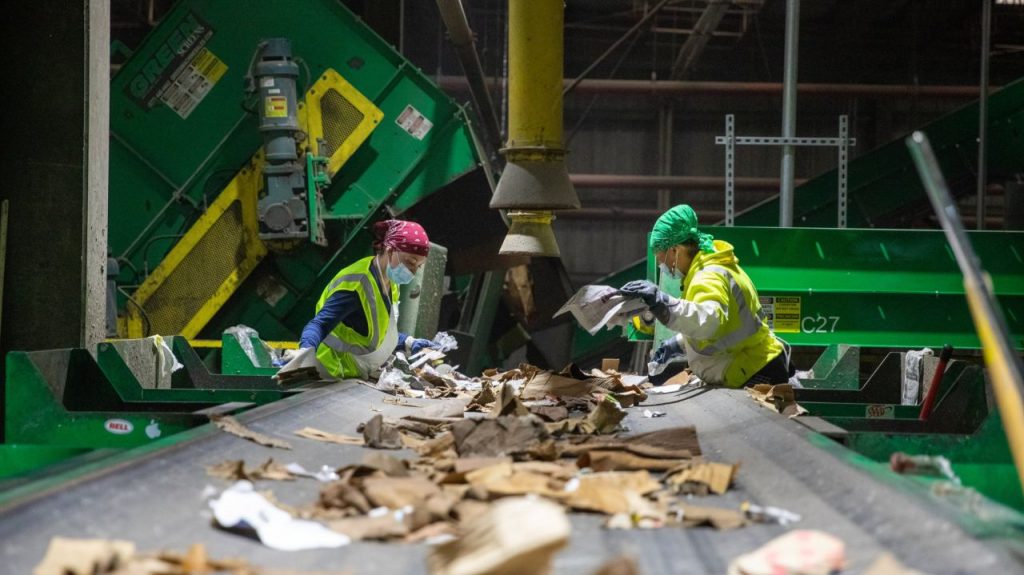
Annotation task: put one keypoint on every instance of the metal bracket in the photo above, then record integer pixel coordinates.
(730, 140)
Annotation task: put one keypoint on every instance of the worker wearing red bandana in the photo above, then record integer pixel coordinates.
(355, 329)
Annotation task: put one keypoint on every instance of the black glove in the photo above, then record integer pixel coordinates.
(652, 295)
(666, 350)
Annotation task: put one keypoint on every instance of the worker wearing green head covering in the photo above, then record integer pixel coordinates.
(718, 321)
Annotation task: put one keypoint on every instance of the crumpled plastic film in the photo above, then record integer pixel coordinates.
(242, 334)
(445, 342)
(168, 363)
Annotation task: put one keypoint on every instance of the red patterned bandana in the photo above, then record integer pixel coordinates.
(402, 236)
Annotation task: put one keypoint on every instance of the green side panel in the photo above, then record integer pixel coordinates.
(883, 182)
(20, 459)
(164, 169)
(876, 288)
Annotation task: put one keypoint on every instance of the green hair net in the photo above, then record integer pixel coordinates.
(677, 226)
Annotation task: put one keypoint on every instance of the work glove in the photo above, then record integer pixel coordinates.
(655, 299)
(666, 350)
(286, 356)
(417, 344)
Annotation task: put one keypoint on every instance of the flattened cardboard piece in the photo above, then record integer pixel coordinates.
(615, 460)
(506, 403)
(886, 564)
(495, 542)
(717, 517)
(549, 413)
(497, 437)
(716, 476)
(234, 427)
(66, 556)
(618, 566)
(604, 492)
(397, 492)
(799, 552)
(319, 435)
(779, 398)
(610, 364)
(382, 527)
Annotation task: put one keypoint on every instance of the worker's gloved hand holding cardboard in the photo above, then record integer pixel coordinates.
(301, 358)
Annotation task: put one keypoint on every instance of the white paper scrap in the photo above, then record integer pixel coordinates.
(240, 507)
(595, 306)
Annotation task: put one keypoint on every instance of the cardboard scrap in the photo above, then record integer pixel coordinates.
(715, 476)
(721, 519)
(886, 564)
(319, 435)
(506, 403)
(605, 492)
(616, 460)
(495, 542)
(379, 434)
(235, 471)
(800, 552)
(380, 527)
(398, 492)
(777, 397)
(66, 556)
(232, 426)
(505, 435)
(618, 566)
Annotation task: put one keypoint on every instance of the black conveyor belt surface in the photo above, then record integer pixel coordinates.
(155, 497)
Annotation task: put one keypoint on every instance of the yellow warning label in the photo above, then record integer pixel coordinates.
(786, 315)
(209, 66)
(276, 107)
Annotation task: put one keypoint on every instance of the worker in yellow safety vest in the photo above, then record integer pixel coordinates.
(355, 329)
(719, 323)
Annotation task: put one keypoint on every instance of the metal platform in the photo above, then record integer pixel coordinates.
(153, 496)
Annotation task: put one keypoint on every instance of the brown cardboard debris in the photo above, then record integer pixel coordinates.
(67, 556)
(605, 492)
(431, 531)
(232, 426)
(450, 407)
(386, 464)
(642, 514)
(618, 566)
(606, 416)
(681, 378)
(721, 519)
(886, 564)
(340, 495)
(397, 492)
(496, 542)
(800, 552)
(558, 470)
(506, 403)
(610, 364)
(549, 412)
(549, 384)
(433, 447)
(505, 435)
(716, 476)
(777, 397)
(235, 471)
(319, 435)
(380, 434)
(386, 526)
(672, 439)
(616, 460)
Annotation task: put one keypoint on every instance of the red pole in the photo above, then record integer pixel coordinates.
(933, 389)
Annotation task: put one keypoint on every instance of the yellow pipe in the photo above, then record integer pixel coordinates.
(535, 78)
(1008, 399)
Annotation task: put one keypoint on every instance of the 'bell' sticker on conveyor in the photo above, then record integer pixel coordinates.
(782, 313)
(414, 123)
(276, 107)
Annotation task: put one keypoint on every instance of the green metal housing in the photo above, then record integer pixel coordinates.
(164, 169)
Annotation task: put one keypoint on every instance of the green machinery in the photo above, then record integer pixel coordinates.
(247, 157)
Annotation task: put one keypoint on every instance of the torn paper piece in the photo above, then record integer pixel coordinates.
(495, 542)
(595, 306)
(768, 514)
(325, 475)
(721, 519)
(240, 508)
(604, 492)
(664, 389)
(313, 433)
(67, 556)
(232, 426)
(800, 552)
(304, 365)
(653, 413)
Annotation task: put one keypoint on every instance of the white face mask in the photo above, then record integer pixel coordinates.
(399, 274)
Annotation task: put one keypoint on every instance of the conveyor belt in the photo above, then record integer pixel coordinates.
(154, 497)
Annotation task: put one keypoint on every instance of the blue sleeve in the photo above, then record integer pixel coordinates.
(342, 307)
(401, 341)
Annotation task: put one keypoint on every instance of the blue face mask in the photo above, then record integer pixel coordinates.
(400, 274)
(674, 274)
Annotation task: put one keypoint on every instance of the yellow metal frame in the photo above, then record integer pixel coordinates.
(243, 187)
(311, 116)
